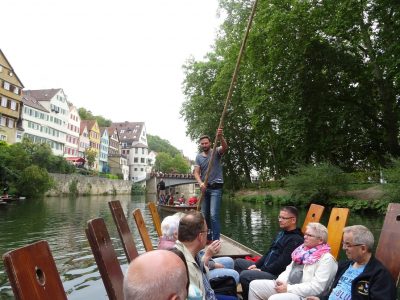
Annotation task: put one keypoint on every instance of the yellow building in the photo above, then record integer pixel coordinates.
(94, 138)
(10, 102)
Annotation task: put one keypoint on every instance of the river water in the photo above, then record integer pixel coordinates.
(62, 220)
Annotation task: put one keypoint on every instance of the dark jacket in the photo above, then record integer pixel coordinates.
(279, 254)
(375, 282)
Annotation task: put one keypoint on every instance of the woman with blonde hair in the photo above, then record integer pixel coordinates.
(311, 271)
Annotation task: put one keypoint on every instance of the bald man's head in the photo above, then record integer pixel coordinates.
(156, 275)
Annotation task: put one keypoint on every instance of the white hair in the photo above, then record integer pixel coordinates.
(361, 235)
(319, 230)
(169, 227)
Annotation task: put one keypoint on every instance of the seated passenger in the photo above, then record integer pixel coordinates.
(275, 260)
(181, 199)
(192, 200)
(170, 282)
(311, 272)
(362, 276)
(192, 237)
(217, 267)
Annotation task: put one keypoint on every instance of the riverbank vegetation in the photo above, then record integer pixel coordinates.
(25, 167)
(328, 185)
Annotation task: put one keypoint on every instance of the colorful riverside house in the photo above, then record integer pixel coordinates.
(84, 142)
(116, 160)
(134, 145)
(50, 125)
(94, 139)
(10, 102)
(103, 153)
(71, 149)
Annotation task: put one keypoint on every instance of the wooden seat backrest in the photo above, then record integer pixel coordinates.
(124, 232)
(337, 221)
(314, 214)
(106, 258)
(388, 248)
(156, 217)
(33, 273)
(144, 234)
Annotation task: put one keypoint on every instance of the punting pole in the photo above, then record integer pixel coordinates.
(229, 95)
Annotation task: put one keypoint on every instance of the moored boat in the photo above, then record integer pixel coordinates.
(175, 208)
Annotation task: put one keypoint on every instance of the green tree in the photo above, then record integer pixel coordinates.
(164, 162)
(34, 182)
(85, 114)
(158, 144)
(91, 156)
(180, 164)
(319, 82)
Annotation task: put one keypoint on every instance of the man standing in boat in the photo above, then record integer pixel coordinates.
(212, 191)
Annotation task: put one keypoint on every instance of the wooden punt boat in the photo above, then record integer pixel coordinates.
(10, 198)
(234, 249)
(229, 247)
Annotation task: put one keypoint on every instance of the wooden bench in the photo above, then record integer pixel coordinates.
(144, 234)
(106, 258)
(337, 221)
(33, 273)
(123, 230)
(155, 217)
(388, 249)
(314, 214)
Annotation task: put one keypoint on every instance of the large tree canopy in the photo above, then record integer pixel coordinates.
(319, 81)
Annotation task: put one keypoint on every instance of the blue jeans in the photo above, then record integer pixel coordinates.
(226, 271)
(210, 207)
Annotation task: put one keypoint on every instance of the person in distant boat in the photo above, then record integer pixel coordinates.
(5, 189)
(278, 256)
(192, 238)
(311, 271)
(182, 199)
(156, 275)
(218, 267)
(211, 203)
(362, 276)
(161, 187)
(166, 200)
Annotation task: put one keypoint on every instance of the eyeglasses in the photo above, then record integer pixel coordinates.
(310, 235)
(284, 218)
(348, 245)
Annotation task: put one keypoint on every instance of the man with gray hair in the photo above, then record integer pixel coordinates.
(156, 275)
(362, 276)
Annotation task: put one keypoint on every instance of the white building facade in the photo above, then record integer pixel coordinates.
(134, 146)
(71, 148)
(47, 123)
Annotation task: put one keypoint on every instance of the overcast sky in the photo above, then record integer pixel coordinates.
(121, 59)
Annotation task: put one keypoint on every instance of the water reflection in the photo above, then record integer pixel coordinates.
(61, 221)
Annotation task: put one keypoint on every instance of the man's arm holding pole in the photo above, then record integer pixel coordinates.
(224, 144)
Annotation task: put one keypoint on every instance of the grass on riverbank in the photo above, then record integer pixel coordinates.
(368, 198)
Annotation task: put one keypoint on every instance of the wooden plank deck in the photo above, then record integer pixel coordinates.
(235, 249)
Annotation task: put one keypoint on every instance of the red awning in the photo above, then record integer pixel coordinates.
(75, 159)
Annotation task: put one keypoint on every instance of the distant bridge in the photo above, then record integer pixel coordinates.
(170, 179)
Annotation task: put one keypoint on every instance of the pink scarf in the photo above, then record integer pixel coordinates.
(303, 255)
